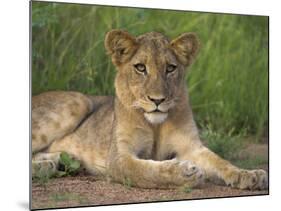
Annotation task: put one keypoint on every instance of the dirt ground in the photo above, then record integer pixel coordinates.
(85, 190)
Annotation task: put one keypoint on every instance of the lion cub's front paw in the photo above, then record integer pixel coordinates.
(248, 179)
(192, 174)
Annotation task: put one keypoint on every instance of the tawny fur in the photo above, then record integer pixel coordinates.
(125, 137)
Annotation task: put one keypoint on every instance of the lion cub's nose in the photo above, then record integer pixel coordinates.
(156, 100)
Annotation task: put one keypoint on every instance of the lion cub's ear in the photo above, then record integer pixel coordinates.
(120, 45)
(186, 47)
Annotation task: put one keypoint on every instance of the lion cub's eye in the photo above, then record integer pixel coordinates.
(171, 68)
(140, 68)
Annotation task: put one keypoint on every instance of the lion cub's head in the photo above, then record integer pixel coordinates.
(151, 70)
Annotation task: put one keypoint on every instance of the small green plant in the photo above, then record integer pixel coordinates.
(127, 182)
(187, 189)
(70, 165)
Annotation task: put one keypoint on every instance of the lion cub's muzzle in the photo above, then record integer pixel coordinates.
(155, 109)
(158, 104)
(156, 100)
(158, 111)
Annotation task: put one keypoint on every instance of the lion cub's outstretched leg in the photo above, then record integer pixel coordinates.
(155, 174)
(230, 174)
(188, 147)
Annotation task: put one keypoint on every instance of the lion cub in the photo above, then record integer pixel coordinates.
(146, 133)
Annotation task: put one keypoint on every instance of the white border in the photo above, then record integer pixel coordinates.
(14, 116)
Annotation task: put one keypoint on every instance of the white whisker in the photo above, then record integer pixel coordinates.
(136, 105)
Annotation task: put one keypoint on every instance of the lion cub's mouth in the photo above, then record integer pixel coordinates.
(156, 116)
(156, 111)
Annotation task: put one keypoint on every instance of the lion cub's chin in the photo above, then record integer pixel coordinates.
(156, 117)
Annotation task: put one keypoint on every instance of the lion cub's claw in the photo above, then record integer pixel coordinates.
(191, 173)
(248, 179)
(262, 179)
(188, 168)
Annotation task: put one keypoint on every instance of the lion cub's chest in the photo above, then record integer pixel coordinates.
(153, 148)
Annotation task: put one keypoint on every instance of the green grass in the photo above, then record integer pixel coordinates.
(228, 83)
(252, 163)
(42, 178)
(66, 196)
(227, 145)
(187, 189)
(127, 182)
(42, 174)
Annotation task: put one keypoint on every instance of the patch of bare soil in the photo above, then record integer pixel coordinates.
(85, 190)
(253, 150)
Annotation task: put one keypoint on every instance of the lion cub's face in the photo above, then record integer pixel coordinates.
(151, 70)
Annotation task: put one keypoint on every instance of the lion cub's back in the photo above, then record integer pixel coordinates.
(55, 114)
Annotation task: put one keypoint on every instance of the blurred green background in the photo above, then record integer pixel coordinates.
(228, 83)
